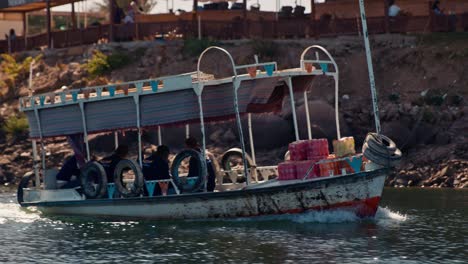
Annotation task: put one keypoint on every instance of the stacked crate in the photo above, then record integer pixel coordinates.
(304, 154)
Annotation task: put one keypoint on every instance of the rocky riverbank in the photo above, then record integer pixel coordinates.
(422, 83)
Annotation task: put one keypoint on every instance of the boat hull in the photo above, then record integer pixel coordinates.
(359, 193)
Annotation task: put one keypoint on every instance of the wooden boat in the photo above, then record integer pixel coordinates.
(197, 97)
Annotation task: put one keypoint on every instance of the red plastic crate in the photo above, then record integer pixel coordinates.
(286, 171)
(303, 166)
(317, 149)
(298, 150)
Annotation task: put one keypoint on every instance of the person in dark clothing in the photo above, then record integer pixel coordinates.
(192, 143)
(156, 166)
(109, 163)
(69, 169)
(436, 9)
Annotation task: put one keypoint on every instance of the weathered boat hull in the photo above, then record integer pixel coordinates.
(359, 193)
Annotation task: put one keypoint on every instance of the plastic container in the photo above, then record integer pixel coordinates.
(298, 150)
(327, 168)
(286, 171)
(344, 147)
(317, 149)
(302, 167)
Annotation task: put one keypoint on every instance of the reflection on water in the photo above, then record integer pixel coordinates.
(412, 226)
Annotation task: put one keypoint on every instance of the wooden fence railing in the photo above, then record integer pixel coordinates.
(236, 29)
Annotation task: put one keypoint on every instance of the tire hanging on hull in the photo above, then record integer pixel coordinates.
(93, 180)
(201, 173)
(137, 186)
(381, 150)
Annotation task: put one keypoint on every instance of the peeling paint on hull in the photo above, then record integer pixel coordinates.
(359, 193)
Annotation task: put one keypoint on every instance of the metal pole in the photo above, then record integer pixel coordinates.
(293, 107)
(187, 131)
(116, 139)
(306, 104)
(36, 113)
(199, 28)
(239, 127)
(30, 78)
(85, 131)
(159, 136)
(337, 115)
(35, 165)
(252, 147)
(236, 83)
(137, 104)
(202, 126)
(369, 66)
(49, 34)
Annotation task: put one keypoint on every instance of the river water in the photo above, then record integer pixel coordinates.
(412, 226)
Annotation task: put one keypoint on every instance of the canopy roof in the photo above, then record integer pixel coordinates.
(30, 5)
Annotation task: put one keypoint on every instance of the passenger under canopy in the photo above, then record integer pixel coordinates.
(163, 108)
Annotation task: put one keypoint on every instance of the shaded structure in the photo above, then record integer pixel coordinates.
(329, 19)
(26, 6)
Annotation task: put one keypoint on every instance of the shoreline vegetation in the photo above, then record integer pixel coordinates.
(422, 83)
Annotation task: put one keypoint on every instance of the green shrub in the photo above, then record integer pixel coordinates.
(194, 47)
(15, 126)
(100, 63)
(15, 70)
(265, 49)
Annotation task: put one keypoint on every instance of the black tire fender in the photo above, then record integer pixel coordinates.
(138, 183)
(381, 150)
(94, 170)
(24, 183)
(234, 152)
(201, 173)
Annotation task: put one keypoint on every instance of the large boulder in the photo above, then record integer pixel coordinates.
(322, 118)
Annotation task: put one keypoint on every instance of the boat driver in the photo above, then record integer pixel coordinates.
(192, 143)
(109, 163)
(68, 170)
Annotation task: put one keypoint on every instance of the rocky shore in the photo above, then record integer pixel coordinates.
(422, 84)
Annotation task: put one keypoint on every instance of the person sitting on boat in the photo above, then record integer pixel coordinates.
(156, 167)
(192, 143)
(109, 163)
(66, 173)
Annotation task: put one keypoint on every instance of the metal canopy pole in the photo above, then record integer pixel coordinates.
(116, 139)
(36, 112)
(187, 131)
(35, 165)
(236, 83)
(85, 130)
(306, 104)
(136, 97)
(159, 136)
(202, 126)
(293, 106)
(369, 66)
(252, 147)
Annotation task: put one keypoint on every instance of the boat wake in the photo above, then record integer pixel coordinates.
(10, 211)
(328, 217)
